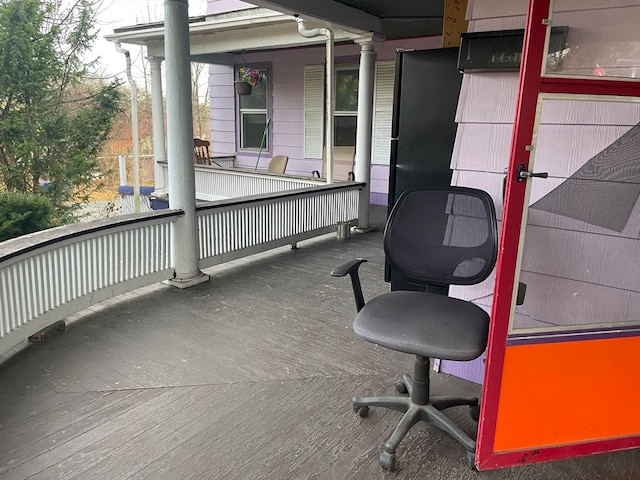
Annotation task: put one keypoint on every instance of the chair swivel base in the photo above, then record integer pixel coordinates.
(416, 412)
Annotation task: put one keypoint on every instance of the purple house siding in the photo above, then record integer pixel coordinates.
(380, 184)
(223, 110)
(286, 135)
(286, 109)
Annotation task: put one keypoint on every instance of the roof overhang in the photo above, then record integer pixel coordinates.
(215, 38)
(384, 18)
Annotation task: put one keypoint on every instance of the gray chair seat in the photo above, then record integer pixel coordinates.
(431, 325)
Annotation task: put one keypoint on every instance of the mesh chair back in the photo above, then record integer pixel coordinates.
(445, 236)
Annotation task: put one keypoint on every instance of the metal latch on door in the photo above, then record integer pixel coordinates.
(523, 174)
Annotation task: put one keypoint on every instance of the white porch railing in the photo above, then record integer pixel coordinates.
(48, 275)
(230, 229)
(129, 206)
(215, 183)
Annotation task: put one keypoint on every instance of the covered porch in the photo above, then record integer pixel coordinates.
(249, 376)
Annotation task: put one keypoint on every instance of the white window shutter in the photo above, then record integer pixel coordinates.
(383, 112)
(313, 110)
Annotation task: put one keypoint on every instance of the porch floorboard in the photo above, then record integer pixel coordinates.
(248, 376)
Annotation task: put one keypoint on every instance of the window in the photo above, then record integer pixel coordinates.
(254, 116)
(346, 102)
(346, 112)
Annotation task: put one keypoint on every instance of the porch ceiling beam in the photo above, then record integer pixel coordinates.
(334, 13)
(266, 37)
(213, 45)
(214, 58)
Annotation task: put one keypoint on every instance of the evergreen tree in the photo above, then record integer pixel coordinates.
(53, 119)
(21, 214)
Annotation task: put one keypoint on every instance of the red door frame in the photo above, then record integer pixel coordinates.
(531, 84)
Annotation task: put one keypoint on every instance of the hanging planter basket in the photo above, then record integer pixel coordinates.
(242, 87)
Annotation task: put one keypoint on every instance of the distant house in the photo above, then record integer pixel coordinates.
(292, 101)
(286, 112)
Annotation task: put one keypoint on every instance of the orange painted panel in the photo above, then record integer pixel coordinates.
(568, 392)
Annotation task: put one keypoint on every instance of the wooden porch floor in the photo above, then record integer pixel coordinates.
(248, 376)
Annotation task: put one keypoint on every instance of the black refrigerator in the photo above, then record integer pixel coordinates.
(426, 92)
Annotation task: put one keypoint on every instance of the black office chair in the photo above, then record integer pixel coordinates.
(436, 237)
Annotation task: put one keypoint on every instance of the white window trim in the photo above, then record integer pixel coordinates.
(263, 111)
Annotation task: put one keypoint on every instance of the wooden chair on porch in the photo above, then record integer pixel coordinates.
(201, 154)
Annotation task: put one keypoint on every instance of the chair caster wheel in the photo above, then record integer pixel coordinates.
(362, 411)
(388, 461)
(401, 387)
(470, 460)
(474, 412)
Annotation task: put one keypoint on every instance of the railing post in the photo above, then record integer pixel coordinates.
(182, 185)
(122, 168)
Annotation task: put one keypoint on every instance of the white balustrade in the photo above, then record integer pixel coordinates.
(128, 203)
(48, 275)
(235, 228)
(213, 183)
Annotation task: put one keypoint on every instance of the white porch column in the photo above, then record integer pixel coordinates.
(364, 134)
(182, 189)
(157, 114)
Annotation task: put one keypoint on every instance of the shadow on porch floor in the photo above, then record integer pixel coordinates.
(248, 376)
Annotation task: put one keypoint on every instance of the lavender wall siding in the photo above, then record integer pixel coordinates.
(286, 79)
(286, 110)
(223, 110)
(287, 82)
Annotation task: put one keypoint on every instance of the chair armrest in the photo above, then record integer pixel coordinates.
(351, 268)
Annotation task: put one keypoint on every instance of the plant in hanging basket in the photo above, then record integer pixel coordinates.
(251, 76)
(242, 88)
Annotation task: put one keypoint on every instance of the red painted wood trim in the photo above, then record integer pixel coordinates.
(558, 453)
(526, 105)
(587, 86)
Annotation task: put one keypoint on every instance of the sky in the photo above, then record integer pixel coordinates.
(120, 13)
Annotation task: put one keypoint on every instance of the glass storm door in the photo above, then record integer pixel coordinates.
(563, 361)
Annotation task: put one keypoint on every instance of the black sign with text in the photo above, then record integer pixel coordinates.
(502, 49)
